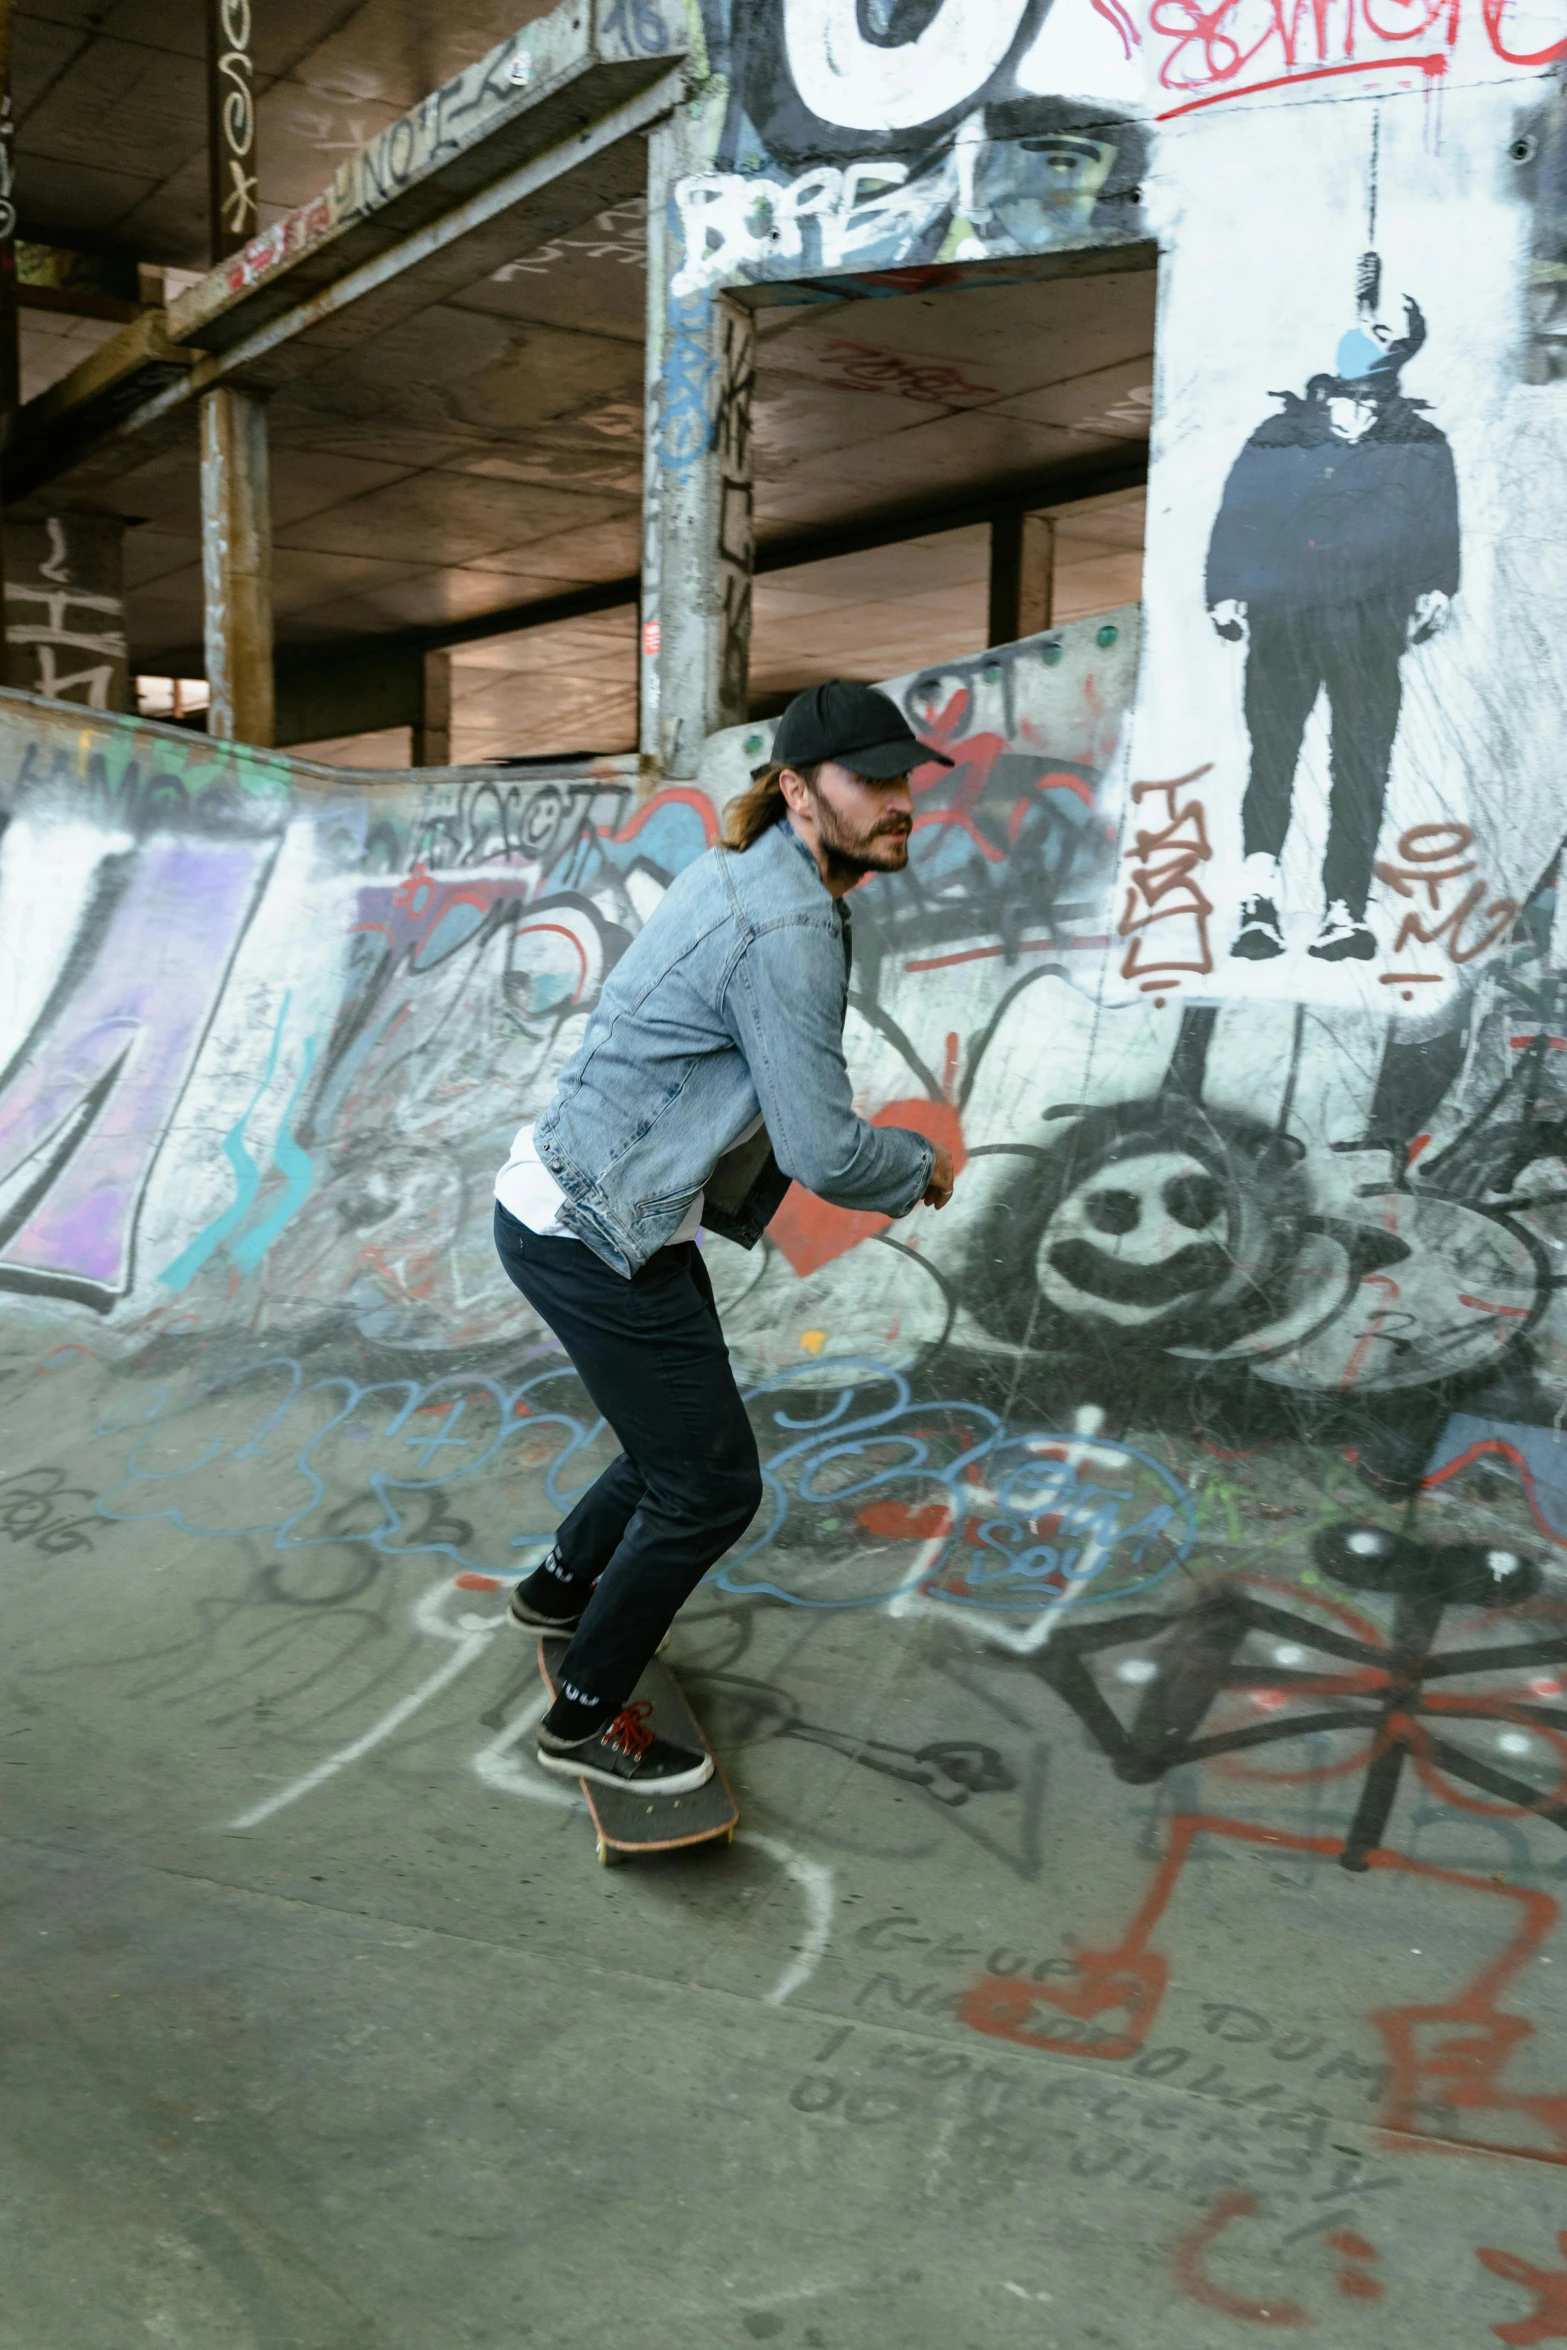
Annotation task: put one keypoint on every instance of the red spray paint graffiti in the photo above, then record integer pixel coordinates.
(1549, 2286)
(1163, 888)
(1191, 2268)
(811, 1233)
(1429, 857)
(1450, 2053)
(1215, 46)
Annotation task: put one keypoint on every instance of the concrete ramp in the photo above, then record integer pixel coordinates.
(1143, 1683)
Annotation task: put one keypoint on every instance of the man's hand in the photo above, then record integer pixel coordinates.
(1229, 619)
(1430, 614)
(938, 1190)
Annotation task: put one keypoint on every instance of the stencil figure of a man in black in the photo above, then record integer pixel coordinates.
(1335, 549)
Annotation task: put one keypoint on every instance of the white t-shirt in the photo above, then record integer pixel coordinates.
(527, 1190)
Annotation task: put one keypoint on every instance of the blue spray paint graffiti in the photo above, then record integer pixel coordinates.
(1002, 1519)
(385, 1414)
(688, 392)
(977, 1515)
(294, 1163)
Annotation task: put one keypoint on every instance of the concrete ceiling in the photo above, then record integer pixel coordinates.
(490, 452)
(110, 106)
(487, 452)
(483, 454)
(937, 395)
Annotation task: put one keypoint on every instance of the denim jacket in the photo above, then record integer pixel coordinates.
(729, 1002)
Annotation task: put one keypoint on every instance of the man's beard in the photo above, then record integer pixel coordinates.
(849, 856)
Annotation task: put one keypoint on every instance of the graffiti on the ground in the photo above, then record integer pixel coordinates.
(1206, 1675)
(41, 1509)
(953, 1503)
(1448, 2060)
(1547, 2322)
(952, 1771)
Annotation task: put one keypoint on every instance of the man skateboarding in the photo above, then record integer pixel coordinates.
(1335, 550)
(711, 1073)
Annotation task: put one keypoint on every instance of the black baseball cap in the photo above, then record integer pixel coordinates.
(858, 726)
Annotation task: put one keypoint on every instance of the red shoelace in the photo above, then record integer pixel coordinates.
(631, 1730)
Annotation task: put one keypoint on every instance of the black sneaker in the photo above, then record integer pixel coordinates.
(549, 1600)
(1343, 937)
(1259, 935)
(627, 1753)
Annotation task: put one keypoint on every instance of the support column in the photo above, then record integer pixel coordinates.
(1022, 576)
(697, 520)
(65, 609)
(236, 565)
(231, 127)
(432, 737)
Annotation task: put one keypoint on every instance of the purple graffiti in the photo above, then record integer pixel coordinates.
(93, 1090)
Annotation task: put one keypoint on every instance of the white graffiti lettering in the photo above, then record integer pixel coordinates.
(732, 222)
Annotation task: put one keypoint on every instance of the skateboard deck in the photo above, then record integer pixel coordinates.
(626, 1822)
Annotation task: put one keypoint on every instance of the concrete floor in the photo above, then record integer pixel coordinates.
(322, 2027)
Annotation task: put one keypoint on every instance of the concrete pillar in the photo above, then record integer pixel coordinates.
(65, 609)
(236, 565)
(697, 525)
(1022, 576)
(432, 737)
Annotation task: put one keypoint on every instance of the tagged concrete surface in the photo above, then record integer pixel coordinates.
(324, 2026)
(1142, 1681)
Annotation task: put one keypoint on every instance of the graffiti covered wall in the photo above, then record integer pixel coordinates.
(1336, 804)
(842, 138)
(1349, 682)
(267, 1033)
(268, 1028)
(865, 140)
(1353, 543)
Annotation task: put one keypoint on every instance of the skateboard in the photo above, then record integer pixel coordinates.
(626, 1822)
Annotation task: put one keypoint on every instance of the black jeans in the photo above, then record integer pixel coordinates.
(1354, 651)
(651, 1354)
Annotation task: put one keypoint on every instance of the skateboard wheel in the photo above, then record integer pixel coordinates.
(609, 1858)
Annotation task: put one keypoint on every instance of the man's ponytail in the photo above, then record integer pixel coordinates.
(748, 817)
